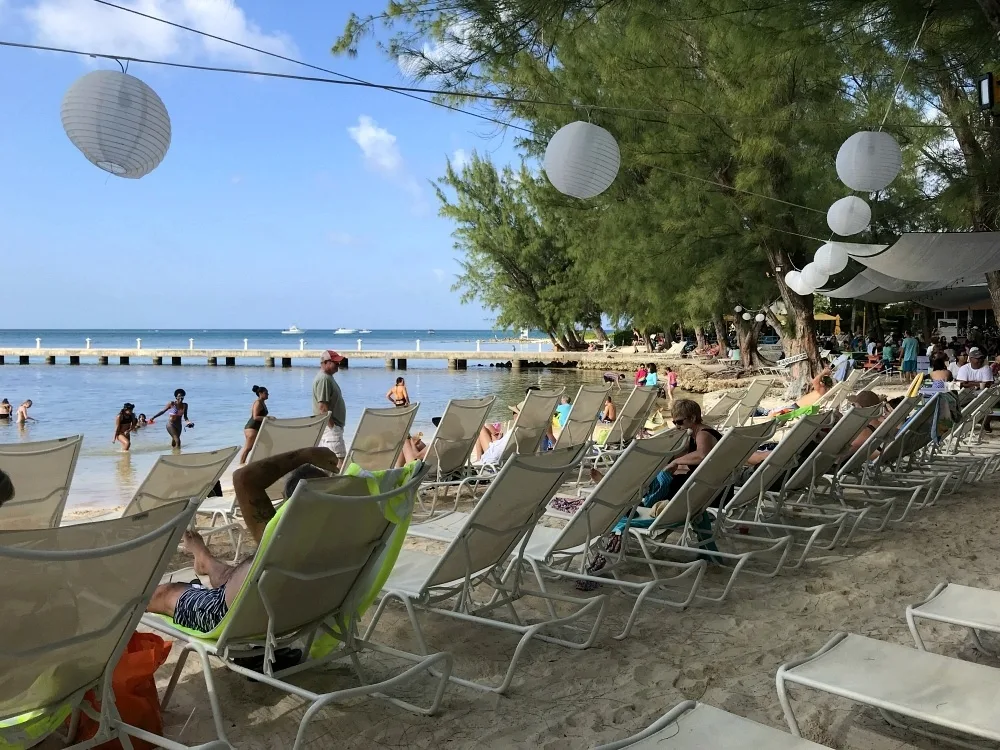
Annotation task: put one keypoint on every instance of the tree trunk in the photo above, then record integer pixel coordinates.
(876, 323)
(602, 335)
(798, 335)
(719, 323)
(699, 337)
(927, 324)
(746, 335)
(571, 339)
(559, 342)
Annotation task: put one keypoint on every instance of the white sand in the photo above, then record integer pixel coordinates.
(723, 654)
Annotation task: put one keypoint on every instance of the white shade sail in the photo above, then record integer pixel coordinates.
(933, 256)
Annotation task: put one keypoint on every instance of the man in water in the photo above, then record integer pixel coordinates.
(22, 413)
(910, 348)
(194, 606)
(327, 399)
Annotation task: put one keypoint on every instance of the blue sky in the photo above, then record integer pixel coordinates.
(279, 202)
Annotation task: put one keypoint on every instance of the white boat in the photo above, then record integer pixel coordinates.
(430, 332)
(346, 330)
(365, 330)
(293, 330)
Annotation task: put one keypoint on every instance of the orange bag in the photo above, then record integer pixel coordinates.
(134, 686)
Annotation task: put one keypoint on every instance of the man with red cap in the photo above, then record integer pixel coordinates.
(327, 399)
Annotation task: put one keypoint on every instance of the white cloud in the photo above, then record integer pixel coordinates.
(453, 50)
(377, 144)
(459, 159)
(90, 26)
(439, 273)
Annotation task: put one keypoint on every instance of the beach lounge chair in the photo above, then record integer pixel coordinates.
(965, 606)
(484, 558)
(744, 409)
(41, 472)
(181, 476)
(951, 695)
(719, 411)
(525, 435)
(380, 436)
(317, 568)
(72, 598)
(450, 448)
(275, 436)
(583, 416)
(698, 726)
(676, 349)
(610, 442)
(687, 515)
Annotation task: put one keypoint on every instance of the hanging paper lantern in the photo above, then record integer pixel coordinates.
(792, 280)
(813, 276)
(831, 258)
(118, 122)
(738, 308)
(868, 161)
(759, 317)
(849, 216)
(582, 160)
(746, 316)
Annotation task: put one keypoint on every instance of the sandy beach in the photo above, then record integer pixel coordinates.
(725, 655)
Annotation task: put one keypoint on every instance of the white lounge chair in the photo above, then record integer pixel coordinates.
(720, 410)
(380, 436)
(275, 436)
(180, 476)
(583, 416)
(450, 448)
(964, 606)
(743, 412)
(319, 560)
(699, 726)
(532, 423)
(42, 472)
(902, 683)
(631, 419)
(686, 514)
(477, 559)
(72, 598)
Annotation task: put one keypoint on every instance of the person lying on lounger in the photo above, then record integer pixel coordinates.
(200, 608)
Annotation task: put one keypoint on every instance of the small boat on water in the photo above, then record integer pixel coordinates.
(346, 330)
(293, 330)
(430, 332)
(365, 330)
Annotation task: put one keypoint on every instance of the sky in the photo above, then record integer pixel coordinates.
(279, 201)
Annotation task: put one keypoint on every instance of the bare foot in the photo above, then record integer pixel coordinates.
(193, 543)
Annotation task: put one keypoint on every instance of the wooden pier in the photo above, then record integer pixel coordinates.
(457, 360)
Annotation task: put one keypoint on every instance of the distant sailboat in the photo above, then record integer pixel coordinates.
(293, 330)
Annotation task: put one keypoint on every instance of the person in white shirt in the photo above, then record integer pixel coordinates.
(871, 347)
(975, 374)
(954, 366)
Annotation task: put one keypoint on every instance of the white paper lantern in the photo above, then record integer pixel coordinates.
(738, 308)
(831, 258)
(792, 280)
(869, 161)
(759, 317)
(747, 316)
(118, 122)
(582, 160)
(813, 276)
(849, 216)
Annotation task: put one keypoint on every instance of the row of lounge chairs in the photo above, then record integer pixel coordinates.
(331, 548)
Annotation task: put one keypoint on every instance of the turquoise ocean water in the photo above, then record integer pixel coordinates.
(71, 400)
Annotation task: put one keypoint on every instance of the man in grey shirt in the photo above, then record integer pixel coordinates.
(327, 399)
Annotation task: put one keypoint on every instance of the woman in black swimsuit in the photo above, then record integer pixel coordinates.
(258, 411)
(125, 425)
(398, 394)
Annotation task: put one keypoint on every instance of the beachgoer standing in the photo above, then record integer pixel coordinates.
(910, 348)
(398, 394)
(671, 384)
(177, 417)
(258, 411)
(327, 399)
(125, 423)
(22, 413)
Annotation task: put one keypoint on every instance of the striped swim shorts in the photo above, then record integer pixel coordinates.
(200, 608)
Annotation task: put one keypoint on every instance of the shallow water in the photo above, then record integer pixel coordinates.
(85, 400)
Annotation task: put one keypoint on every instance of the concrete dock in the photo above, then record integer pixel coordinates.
(457, 360)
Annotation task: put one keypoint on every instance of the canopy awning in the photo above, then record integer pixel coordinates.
(931, 256)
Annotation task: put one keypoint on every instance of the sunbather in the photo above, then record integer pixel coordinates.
(819, 386)
(194, 606)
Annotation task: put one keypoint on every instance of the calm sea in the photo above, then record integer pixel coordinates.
(71, 400)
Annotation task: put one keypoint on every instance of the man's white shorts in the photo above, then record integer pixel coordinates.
(333, 438)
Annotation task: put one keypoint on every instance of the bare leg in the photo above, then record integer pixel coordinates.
(125, 440)
(174, 430)
(482, 443)
(205, 563)
(251, 436)
(410, 452)
(165, 598)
